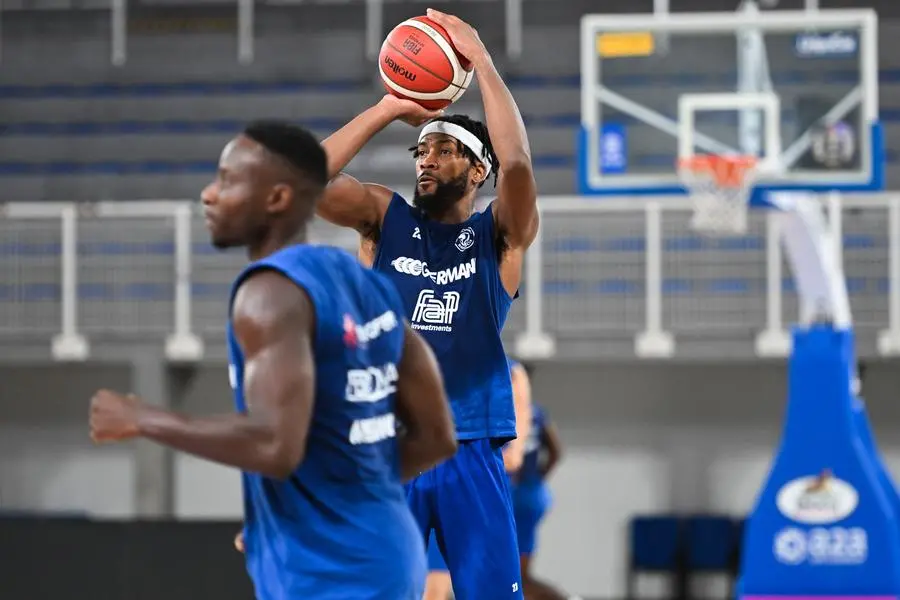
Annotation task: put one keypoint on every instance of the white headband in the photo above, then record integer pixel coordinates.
(465, 137)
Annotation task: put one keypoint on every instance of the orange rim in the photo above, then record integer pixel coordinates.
(727, 171)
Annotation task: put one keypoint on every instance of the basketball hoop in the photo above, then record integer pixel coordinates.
(720, 188)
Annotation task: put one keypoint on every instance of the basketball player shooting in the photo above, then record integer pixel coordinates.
(458, 272)
(320, 361)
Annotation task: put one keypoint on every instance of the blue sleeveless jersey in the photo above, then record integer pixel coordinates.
(449, 278)
(339, 526)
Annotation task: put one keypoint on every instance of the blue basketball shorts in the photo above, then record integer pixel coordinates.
(530, 504)
(466, 502)
(436, 560)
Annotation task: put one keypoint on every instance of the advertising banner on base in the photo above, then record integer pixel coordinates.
(825, 523)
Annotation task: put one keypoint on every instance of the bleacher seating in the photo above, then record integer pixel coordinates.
(153, 128)
(78, 142)
(75, 142)
(682, 548)
(77, 128)
(656, 545)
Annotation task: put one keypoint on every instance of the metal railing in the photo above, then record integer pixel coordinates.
(703, 286)
(72, 274)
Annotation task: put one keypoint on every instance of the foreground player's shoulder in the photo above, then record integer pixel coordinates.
(309, 257)
(342, 265)
(267, 303)
(385, 288)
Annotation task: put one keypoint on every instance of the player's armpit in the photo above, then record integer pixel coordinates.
(423, 408)
(273, 321)
(515, 208)
(348, 203)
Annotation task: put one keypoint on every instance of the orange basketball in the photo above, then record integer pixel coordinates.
(418, 62)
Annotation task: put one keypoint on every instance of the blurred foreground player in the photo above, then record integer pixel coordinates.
(531, 497)
(438, 583)
(321, 360)
(457, 271)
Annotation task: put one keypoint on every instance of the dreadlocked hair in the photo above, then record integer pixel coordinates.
(479, 130)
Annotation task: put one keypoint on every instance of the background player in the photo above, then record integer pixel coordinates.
(320, 361)
(531, 495)
(514, 451)
(438, 583)
(458, 271)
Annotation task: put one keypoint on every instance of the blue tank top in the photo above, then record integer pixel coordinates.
(317, 529)
(449, 278)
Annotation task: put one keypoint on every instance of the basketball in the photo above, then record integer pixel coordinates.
(418, 62)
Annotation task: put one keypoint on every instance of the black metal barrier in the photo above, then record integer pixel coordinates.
(81, 559)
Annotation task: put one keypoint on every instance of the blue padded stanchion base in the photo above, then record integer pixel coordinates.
(825, 522)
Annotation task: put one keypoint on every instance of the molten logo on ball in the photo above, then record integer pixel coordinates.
(398, 69)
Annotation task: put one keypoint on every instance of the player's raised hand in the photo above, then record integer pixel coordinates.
(408, 111)
(113, 416)
(239, 542)
(464, 37)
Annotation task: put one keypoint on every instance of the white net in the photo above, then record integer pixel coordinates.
(720, 188)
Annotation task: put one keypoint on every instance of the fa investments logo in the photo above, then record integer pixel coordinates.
(433, 313)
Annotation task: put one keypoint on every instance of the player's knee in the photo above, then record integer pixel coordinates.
(525, 566)
(437, 586)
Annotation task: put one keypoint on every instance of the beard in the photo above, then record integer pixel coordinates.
(239, 231)
(222, 239)
(444, 196)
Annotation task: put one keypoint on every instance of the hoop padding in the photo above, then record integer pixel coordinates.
(720, 188)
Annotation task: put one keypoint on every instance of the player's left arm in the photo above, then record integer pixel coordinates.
(515, 208)
(274, 323)
(514, 451)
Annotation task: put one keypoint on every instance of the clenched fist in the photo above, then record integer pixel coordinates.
(114, 416)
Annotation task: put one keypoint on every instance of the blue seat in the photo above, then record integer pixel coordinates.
(713, 546)
(712, 542)
(656, 544)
